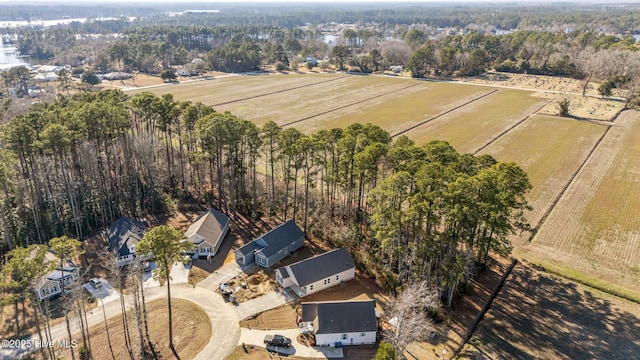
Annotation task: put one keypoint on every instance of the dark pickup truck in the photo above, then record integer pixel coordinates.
(277, 340)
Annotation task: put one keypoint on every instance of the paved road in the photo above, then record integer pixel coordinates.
(256, 337)
(263, 303)
(224, 321)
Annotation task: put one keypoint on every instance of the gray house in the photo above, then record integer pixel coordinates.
(340, 323)
(317, 273)
(272, 246)
(123, 236)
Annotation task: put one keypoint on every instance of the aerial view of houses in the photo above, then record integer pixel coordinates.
(318, 180)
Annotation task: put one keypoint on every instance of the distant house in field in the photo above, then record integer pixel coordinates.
(187, 70)
(317, 273)
(123, 236)
(272, 246)
(340, 323)
(312, 60)
(207, 232)
(51, 283)
(116, 75)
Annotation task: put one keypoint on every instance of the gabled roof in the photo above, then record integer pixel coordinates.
(280, 236)
(248, 248)
(322, 266)
(341, 317)
(123, 233)
(209, 225)
(284, 274)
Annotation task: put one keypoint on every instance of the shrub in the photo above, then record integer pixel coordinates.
(280, 66)
(385, 351)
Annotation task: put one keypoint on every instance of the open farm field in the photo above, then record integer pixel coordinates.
(550, 149)
(476, 124)
(539, 316)
(584, 107)
(595, 227)
(534, 82)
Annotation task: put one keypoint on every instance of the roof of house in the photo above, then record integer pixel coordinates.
(280, 236)
(342, 316)
(123, 233)
(248, 248)
(209, 225)
(322, 266)
(284, 274)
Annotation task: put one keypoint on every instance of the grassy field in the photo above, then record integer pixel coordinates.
(535, 145)
(539, 316)
(477, 123)
(595, 226)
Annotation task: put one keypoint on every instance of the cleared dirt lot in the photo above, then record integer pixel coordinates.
(538, 316)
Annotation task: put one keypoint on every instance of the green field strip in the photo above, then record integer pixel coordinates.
(309, 101)
(277, 92)
(377, 97)
(472, 126)
(443, 113)
(498, 136)
(550, 149)
(399, 110)
(230, 88)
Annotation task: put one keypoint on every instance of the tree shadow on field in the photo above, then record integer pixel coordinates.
(537, 316)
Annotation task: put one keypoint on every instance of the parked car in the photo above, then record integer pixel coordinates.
(95, 282)
(277, 340)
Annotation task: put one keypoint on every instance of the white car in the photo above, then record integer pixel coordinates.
(95, 282)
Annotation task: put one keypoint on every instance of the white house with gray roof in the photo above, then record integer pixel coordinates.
(317, 273)
(207, 232)
(340, 323)
(272, 246)
(50, 284)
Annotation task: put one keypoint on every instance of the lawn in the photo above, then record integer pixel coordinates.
(595, 226)
(191, 331)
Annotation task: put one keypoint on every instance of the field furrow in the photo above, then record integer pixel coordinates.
(595, 226)
(550, 150)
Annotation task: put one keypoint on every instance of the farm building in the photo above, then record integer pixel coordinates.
(207, 232)
(123, 236)
(340, 323)
(317, 273)
(272, 246)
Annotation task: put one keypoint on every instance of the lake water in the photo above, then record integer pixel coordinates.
(8, 58)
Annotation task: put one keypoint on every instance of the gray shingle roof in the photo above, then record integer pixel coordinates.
(209, 225)
(248, 248)
(322, 266)
(284, 274)
(341, 317)
(124, 232)
(280, 236)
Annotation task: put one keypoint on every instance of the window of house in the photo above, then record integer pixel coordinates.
(337, 277)
(344, 336)
(325, 281)
(206, 249)
(363, 334)
(329, 281)
(311, 287)
(261, 260)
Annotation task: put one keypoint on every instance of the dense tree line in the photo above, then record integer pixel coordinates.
(415, 212)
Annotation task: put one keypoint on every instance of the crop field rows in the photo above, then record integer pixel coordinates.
(555, 152)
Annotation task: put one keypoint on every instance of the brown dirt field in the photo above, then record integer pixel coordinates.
(191, 330)
(595, 227)
(585, 107)
(539, 316)
(534, 82)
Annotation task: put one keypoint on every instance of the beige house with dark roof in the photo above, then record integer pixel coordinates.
(208, 232)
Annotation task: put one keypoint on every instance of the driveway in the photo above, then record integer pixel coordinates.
(223, 274)
(180, 273)
(256, 337)
(104, 293)
(222, 316)
(263, 303)
(148, 281)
